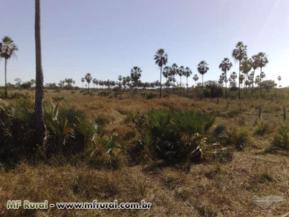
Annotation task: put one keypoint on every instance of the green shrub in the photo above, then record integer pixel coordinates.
(281, 139)
(262, 128)
(239, 138)
(68, 133)
(172, 135)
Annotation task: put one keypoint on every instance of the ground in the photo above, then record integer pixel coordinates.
(207, 189)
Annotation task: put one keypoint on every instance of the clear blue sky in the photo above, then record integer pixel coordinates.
(108, 37)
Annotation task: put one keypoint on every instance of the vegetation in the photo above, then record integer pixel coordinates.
(173, 136)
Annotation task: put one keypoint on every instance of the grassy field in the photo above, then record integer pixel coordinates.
(213, 187)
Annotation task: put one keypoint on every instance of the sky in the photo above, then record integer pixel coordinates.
(108, 37)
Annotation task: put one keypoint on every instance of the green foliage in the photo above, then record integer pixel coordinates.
(172, 135)
(281, 139)
(68, 130)
(212, 90)
(68, 133)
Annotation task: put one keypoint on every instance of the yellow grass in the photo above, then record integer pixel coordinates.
(208, 189)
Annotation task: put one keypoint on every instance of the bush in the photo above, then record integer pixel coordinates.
(239, 138)
(262, 129)
(171, 135)
(68, 133)
(281, 139)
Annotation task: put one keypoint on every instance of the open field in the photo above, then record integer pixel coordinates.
(213, 187)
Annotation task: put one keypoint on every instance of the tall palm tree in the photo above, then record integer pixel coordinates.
(225, 66)
(239, 53)
(255, 65)
(88, 79)
(262, 61)
(161, 59)
(135, 75)
(39, 92)
(203, 68)
(181, 71)
(8, 48)
(187, 73)
(196, 78)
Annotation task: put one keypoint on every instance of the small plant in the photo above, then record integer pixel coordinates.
(171, 135)
(239, 138)
(281, 139)
(262, 129)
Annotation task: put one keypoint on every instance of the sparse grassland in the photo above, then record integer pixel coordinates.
(243, 158)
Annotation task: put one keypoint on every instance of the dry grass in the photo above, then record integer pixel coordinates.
(207, 190)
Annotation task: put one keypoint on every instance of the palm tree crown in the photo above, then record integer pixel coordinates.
(161, 57)
(240, 51)
(225, 65)
(203, 67)
(8, 47)
(135, 74)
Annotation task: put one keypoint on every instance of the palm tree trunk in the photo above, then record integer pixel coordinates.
(226, 85)
(239, 80)
(260, 82)
(5, 71)
(161, 71)
(202, 80)
(39, 92)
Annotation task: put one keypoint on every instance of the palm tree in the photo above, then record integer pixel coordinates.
(187, 73)
(181, 71)
(239, 53)
(161, 59)
(262, 61)
(167, 72)
(279, 80)
(39, 92)
(196, 78)
(88, 79)
(135, 75)
(225, 66)
(8, 48)
(203, 68)
(255, 65)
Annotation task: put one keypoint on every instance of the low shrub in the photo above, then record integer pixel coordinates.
(68, 133)
(262, 128)
(239, 138)
(172, 135)
(281, 139)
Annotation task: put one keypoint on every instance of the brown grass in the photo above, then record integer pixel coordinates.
(208, 189)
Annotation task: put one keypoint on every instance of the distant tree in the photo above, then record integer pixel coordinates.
(203, 68)
(181, 71)
(239, 53)
(225, 66)
(262, 61)
(8, 49)
(167, 73)
(161, 59)
(195, 78)
(267, 84)
(279, 78)
(187, 74)
(135, 75)
(119, 81)
(88, 79)
(255, 65)
(68, 83)
(18, 82)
